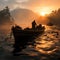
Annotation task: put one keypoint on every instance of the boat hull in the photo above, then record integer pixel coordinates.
(24, 38)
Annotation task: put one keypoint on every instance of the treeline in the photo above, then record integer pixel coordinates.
(54, 17)
(5, 17)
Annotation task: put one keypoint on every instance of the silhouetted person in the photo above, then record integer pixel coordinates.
(34, 24)
(39, 27)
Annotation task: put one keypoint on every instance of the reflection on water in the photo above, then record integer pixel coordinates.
(49, 42)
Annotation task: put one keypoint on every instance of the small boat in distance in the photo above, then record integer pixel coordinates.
(24, 37)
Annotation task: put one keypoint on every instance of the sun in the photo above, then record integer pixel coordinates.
(43, 13)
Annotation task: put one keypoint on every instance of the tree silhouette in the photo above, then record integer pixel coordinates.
(5, 16)
(54, 17)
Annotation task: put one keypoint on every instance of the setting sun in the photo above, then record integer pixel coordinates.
(43, 11)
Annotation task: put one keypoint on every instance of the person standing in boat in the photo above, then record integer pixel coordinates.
(34, 25)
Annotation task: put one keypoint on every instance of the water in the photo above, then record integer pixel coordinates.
(47, 47)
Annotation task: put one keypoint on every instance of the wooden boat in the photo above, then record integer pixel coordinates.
(25, 37)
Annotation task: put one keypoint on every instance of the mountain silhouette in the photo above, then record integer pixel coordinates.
(23, 17)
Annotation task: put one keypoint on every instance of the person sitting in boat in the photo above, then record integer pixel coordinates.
(40, 27)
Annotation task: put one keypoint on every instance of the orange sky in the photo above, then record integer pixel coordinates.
(36, 5)
(41, 5)
(46, 6)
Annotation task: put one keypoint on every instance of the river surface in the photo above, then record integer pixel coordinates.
(46, 47)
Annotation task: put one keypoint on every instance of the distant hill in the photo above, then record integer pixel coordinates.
(24, 17)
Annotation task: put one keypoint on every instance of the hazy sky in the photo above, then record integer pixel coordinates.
(35, 5)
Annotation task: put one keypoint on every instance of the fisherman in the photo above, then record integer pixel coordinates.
(34, 24)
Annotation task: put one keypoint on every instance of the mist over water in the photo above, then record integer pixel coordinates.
(47, 46)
